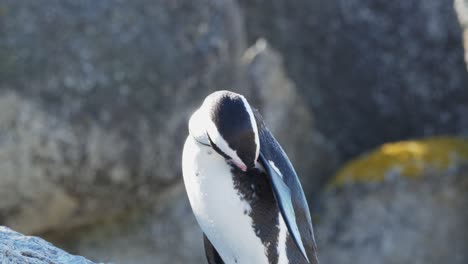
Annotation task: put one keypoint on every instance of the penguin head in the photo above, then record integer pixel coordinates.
(226, 122)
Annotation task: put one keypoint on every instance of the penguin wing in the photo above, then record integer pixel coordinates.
(288, 192)
(210, 251)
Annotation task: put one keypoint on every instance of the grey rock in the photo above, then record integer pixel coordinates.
(461, 6)
(398, 220)
(16, 248)
(287, 116)
(371, 71)
(163, 233)
(95, 98)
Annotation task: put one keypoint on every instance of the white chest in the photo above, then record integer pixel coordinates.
(218, 208)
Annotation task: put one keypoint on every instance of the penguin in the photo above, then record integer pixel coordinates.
(243, 190)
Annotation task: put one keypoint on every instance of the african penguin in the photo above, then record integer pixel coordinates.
(242, 188)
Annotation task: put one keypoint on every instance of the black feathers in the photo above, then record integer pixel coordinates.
(253, 186)
(272, 150)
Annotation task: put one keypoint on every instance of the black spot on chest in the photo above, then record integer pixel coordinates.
(253, 186)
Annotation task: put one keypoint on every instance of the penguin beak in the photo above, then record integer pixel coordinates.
(239, 165)
(236, 162)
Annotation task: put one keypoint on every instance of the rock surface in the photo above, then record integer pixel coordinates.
(461, 6)
(371, 71)
(95, 98)
(286, 114)
(163, 233)
(404, 214)
(16, 248)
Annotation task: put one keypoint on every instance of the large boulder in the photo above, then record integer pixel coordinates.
(405, 202)
(16, 248)
(287, 116)
(371, 71)
(94, 100)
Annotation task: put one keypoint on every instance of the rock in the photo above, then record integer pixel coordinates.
(401, 203)
(461, 6)
(16, 248)
(94, 101)
(164, 233)
(406, 158)
(371, 71)
(288, 117)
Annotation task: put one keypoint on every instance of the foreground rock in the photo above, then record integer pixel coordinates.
(403, 203)
(16, 248)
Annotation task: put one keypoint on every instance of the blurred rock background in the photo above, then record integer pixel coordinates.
(95, 98)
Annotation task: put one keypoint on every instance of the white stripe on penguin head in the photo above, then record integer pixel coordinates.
(253, 123)
(222, 144)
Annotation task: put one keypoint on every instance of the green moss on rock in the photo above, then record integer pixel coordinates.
(407, 158)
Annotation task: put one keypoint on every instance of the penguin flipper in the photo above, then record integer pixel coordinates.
(211, 254)
(288, 191)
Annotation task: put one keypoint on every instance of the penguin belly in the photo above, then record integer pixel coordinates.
(220, 209)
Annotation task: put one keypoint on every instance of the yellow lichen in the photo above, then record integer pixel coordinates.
(406, 158)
